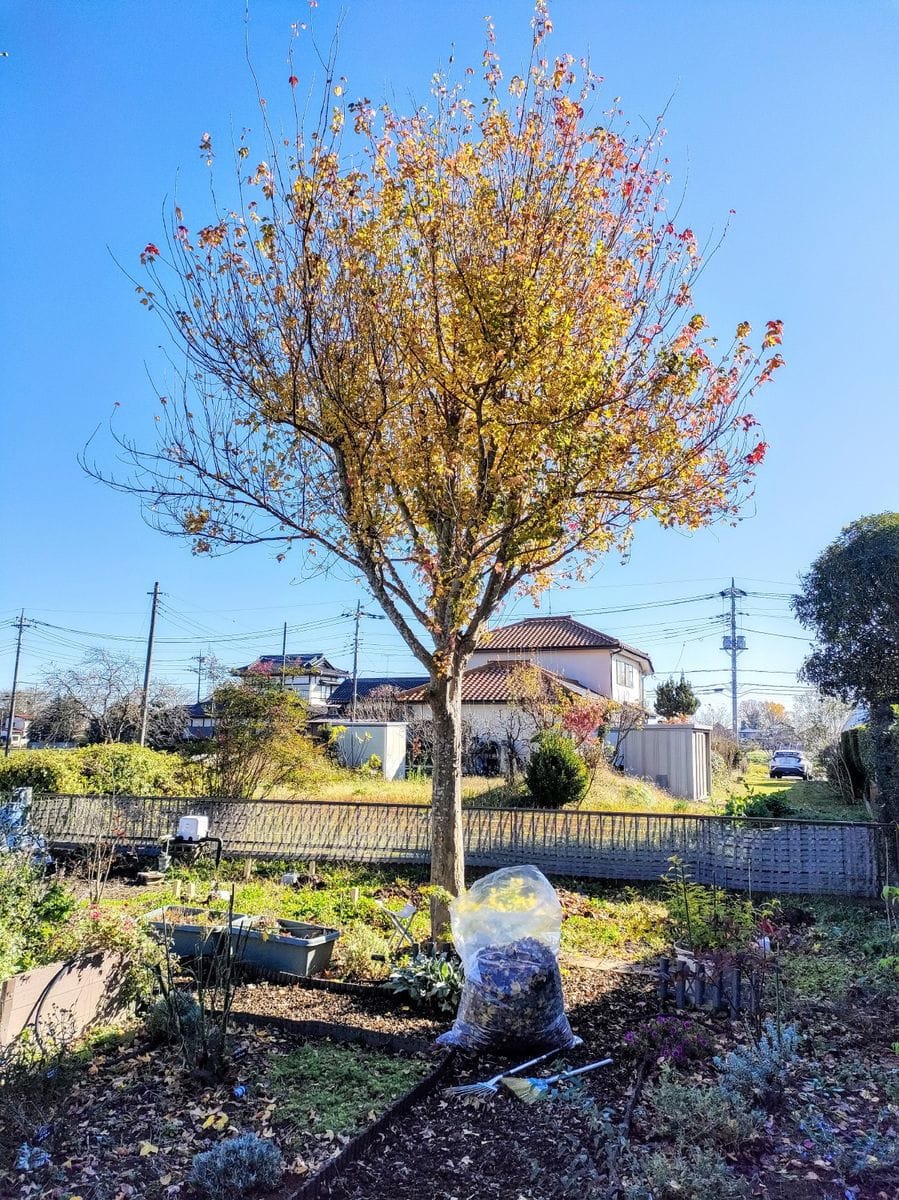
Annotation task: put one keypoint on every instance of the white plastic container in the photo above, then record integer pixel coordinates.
(193, 828)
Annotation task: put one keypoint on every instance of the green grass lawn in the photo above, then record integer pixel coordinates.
(815, 800)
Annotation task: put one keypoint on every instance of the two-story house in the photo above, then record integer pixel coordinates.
(566, 647)
(571, 656)
(311, 676)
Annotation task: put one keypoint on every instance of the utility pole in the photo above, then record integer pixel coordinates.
(733, 644)
(357, 617)
(199, 659)
(145, 703)
(11, 717)
(283, 656)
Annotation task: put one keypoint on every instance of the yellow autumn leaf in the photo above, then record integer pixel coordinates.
(147, 1148)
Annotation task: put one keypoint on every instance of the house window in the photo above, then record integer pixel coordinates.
(625, 673)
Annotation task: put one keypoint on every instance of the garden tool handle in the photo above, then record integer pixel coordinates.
(579, 1070)
(524, 1066)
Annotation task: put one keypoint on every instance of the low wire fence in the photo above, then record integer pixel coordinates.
(837, 857)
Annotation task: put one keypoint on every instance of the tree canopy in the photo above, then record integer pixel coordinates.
(676, 698)
(850, 599)
(455, 349)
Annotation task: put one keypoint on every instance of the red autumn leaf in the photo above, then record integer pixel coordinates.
(756, 455)
(150, 250)
(293, 81)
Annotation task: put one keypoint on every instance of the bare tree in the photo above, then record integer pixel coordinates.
(381, 704)
(101, 697)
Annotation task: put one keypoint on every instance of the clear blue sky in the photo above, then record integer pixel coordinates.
(787, 113)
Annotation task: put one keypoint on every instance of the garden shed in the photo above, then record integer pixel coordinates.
(677, 758)
(359, 741)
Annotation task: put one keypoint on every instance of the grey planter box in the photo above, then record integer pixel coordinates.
(191, 936)
(299, 949)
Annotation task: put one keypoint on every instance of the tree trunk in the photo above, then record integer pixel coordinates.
(447, 851)
(884, 728)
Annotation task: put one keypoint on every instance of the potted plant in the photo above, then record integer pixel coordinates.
(193, 931)
(290, 947)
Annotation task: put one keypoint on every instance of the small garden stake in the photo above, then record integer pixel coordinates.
(531, 1090)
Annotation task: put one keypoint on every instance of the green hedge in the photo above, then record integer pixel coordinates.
(99, 770)
(855, 747)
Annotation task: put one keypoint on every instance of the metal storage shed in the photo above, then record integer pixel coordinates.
(677, 758)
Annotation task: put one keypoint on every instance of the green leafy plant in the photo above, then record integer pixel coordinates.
(32, 906)
(757, 805)
(238, 1166)
(361, 952)
(555, 773)
(706, 918)
(430, 981)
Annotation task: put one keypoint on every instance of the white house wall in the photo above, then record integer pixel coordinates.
(592, 668)
(358, 741)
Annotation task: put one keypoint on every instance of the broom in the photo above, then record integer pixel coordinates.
(531, 1090)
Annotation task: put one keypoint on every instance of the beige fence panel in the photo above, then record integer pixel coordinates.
(842, 858)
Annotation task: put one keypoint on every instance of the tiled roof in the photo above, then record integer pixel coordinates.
(295, 664)
(343, 693)
(489, 684)
(553, 633)
(546, 633)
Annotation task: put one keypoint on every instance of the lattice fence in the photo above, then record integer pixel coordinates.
(842, 858)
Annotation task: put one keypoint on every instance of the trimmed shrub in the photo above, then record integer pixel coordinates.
(555, 773)
(43, 770)
(236, 1167)
(855, 749)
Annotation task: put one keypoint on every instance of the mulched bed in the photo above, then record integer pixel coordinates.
(130, 1120)
(378, 1012)
(484, 1150)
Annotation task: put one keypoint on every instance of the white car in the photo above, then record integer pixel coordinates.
(789, 762)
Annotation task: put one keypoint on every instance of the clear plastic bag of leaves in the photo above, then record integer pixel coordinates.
(507, 929)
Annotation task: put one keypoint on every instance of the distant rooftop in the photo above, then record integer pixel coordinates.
(343, 693)
(554, 633)
(294, 664)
